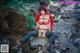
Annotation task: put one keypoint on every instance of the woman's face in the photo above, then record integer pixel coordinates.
(42, 12)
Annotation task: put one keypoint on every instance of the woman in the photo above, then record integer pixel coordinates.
(42, 18)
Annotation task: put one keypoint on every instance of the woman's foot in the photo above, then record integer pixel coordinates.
(39, 36)
(43, 35)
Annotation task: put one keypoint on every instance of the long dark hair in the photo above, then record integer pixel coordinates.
(42, 8)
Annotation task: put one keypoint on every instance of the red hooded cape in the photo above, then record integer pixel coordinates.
(50, 18)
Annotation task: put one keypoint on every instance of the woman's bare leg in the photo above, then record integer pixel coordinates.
(44, 34)
(39, 33)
